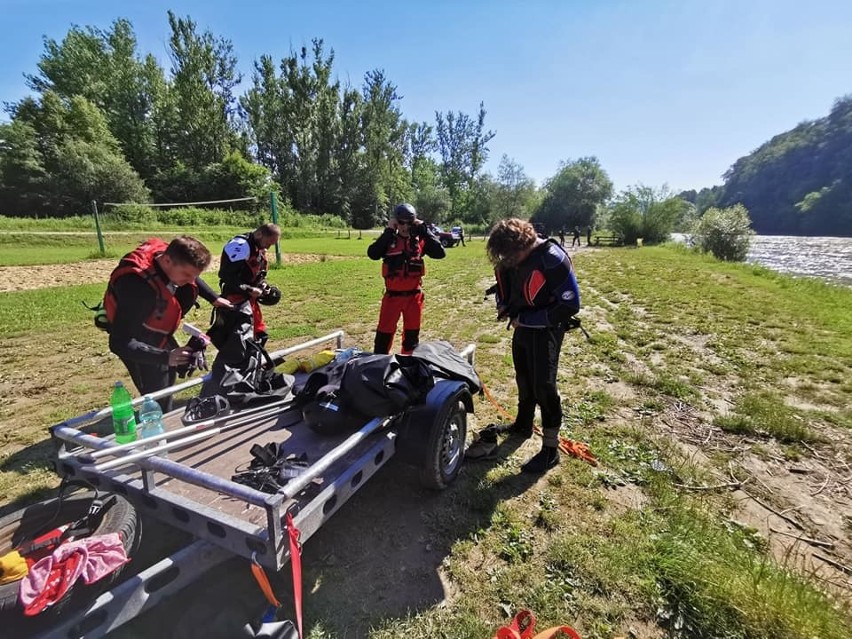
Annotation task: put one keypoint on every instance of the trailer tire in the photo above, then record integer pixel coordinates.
(16, 527)
(445, 448)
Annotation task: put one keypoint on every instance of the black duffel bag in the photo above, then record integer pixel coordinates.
(383, 385)
(344, 396)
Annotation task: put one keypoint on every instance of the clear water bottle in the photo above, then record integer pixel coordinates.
(123, 422)
(345, 354)
(151, 420)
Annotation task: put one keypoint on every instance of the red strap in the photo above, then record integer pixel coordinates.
(522, 627)
(296, 563)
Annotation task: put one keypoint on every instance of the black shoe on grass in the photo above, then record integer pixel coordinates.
(542, 461)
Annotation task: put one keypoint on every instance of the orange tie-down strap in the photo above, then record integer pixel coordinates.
(522, 626)
(567, 446)
(579, 450)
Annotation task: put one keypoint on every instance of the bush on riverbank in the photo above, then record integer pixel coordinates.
(726, 233)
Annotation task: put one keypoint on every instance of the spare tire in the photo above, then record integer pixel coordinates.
(22, 525)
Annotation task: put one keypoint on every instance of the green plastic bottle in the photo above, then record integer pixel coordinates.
(123, 422)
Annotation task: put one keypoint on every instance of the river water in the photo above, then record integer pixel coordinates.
(829, 258)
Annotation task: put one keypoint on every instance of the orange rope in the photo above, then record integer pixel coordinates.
(499, 408)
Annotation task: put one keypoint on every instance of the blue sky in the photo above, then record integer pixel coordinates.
(660, 91)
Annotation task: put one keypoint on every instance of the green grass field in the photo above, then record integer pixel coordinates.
(703, 384)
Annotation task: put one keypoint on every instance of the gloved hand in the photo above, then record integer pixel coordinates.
(197, 346)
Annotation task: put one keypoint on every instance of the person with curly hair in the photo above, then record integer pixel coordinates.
(537, 292)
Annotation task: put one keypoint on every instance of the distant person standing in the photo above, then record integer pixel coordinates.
(401, 247)
(461, 235)
(561, 236)
(588, 236)
(576, 238)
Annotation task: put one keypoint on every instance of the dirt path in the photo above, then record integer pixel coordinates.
(25, 278)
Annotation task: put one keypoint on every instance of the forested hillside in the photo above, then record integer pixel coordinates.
(798, 183)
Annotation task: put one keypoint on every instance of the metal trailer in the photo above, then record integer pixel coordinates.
(190, 488)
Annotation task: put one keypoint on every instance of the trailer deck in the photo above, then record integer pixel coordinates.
(191, 487)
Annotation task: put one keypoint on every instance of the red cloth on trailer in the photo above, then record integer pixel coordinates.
(50, 578)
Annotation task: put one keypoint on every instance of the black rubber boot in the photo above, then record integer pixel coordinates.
(410, 339)
(382, 343)
(542, 461)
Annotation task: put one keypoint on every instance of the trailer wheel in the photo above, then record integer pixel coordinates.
(21, 525)
(445, 447)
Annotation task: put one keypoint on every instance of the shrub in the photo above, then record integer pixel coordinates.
(726, 233)
(130, 214)
(642, 211)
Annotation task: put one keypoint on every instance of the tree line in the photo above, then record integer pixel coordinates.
(797, 183)
(106, 122)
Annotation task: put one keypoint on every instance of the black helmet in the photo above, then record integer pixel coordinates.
(405, 212)
(270, 297)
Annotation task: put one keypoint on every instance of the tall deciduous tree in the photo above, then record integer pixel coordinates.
(463, 146)
(204, 74)
(23, 178)
(295, 124)
(105, 68)
(515, 192)
(574, 195)
(385, 143)
(65, 153)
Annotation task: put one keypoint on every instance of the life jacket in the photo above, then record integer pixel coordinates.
(402, 265)
(524, 287)
(164, 320)
(256, 261)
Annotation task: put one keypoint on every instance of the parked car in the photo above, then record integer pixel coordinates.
(448, 239)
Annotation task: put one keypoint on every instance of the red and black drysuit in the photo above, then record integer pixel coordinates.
(403, 269)
(144, 309)
(244, 264)
(541, 293)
